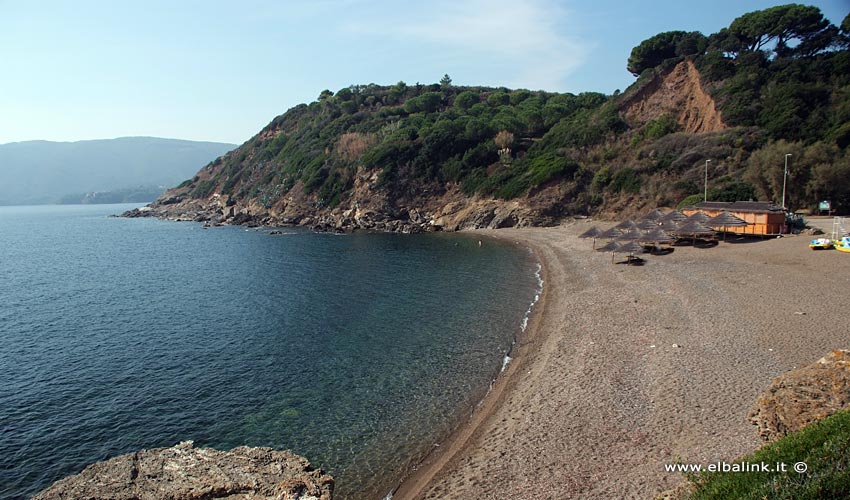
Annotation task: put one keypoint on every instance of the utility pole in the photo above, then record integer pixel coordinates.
(784, 179)
(705, 196)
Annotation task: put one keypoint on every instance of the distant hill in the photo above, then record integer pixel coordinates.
(38, 172)
(138, 194)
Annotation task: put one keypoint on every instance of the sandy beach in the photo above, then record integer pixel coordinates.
(627, 368)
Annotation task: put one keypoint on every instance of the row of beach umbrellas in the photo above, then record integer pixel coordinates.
(657, 227)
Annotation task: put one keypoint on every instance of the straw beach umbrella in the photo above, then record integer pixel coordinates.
(626, 225)
(631, 235)
(648, 224)
(657, 236)
(699, 217)
(593, 232)
(611, 246)
(694, 229)
(631, 248)
(610, 234)
(724, 220)
(670, 226)
(654, 215)
(674, 216)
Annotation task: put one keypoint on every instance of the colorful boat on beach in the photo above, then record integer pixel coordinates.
(821, 244)
(843, 245)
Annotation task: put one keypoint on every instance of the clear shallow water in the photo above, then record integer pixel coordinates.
(357, 351)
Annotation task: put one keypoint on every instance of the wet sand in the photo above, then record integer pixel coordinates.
(626, 368)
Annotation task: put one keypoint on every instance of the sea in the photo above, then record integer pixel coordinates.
(361, 352)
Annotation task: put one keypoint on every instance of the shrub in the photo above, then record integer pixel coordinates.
(203, 189)
(735, 191)
(691, 201)
(549, 166)
(659, 127)
(513, 188)
(626, 179)
(351, 145)
(601, 179)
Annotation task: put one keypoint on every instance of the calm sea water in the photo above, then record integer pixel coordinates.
(358, 351)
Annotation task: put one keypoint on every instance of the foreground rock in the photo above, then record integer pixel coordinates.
(804, 396)
(184, 472)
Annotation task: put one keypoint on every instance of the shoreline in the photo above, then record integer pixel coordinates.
(413, 485)
(625, 368)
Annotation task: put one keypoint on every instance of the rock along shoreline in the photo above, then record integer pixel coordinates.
(183, 472)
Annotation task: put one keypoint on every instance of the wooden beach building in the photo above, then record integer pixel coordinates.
(763, 217)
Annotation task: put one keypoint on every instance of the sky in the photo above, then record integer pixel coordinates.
(220, 71)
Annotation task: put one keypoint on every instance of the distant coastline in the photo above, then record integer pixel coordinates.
(123, 169)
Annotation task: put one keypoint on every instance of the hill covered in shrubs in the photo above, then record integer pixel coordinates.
(432, 156)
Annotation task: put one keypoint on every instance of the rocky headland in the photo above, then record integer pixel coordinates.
(450, 212)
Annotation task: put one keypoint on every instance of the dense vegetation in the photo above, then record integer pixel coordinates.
(783, 72)
(780, 77)
(825, 449)
(488, 141)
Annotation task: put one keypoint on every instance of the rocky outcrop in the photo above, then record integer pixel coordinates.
(804, 396)
(679, 94)
(368, 209)
(184, 472)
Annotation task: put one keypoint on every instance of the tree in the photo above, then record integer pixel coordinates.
(504, 139)
(467, 99)
(427, 102)
(843, 39)
(765, 171)
(657, 49)
(344, 94)
(325, 95)
(499, 98)
(518, 96)
(445, 81)
(831, 181)
(784, 25)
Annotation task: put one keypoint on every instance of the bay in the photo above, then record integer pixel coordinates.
(359, 352)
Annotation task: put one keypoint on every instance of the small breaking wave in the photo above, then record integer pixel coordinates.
(523, 325)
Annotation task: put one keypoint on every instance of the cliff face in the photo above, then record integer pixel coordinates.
(185, 473)
(677, 92)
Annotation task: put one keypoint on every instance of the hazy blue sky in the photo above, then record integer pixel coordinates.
(220, 71)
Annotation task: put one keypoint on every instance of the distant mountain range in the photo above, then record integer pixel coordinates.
(42, 172)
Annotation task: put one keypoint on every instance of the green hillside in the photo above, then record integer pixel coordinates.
(773, 82)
